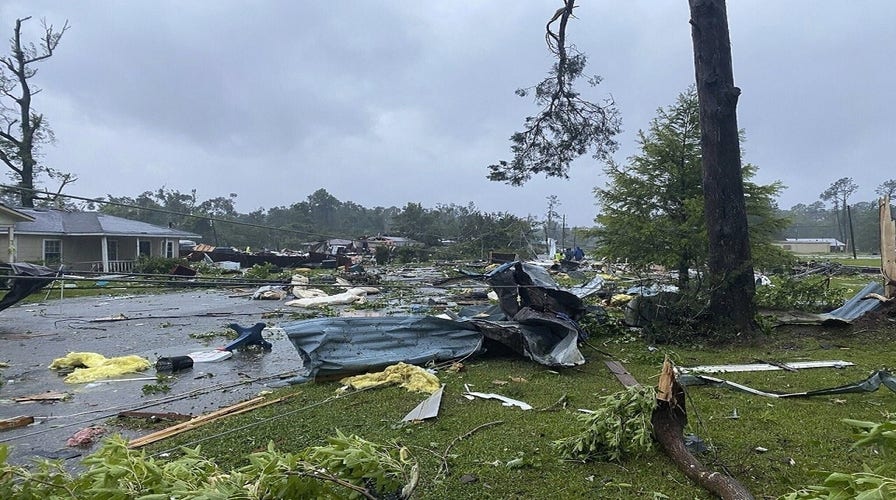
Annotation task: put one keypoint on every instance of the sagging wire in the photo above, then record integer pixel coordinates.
(112, 411)
(259, 422)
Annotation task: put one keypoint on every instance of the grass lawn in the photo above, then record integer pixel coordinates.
(802, 436)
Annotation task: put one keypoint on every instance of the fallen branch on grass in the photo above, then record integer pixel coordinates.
(444, 468)
(669, 419)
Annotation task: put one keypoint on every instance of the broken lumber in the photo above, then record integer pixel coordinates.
(669, 419)
(201, 420)
(15, 422)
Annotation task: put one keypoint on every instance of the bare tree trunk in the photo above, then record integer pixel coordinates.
(730, 263)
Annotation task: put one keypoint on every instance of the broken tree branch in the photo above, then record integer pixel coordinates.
(444, 469)
(669, 419)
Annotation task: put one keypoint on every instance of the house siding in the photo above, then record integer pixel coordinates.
(82, 252)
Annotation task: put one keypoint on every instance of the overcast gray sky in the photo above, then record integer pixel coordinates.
(388, 102)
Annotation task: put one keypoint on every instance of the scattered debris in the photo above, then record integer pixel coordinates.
(621, 374)
(174, 364)
(410, 377)
(248, 336)
(25, 280)
(428, 408)
(91, 366)
(270, 292)
(86, 437)
(350, 296)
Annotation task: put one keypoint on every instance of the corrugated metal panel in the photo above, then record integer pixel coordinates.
(856, 306)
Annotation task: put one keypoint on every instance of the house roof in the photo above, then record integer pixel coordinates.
(14, 214)
(60, 222)
(834, 242)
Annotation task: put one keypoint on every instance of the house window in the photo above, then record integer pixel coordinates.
(169, 249)
(144, 247)
(112, 249)
(52, 252)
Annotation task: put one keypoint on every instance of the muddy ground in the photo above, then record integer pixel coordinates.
(172, 324)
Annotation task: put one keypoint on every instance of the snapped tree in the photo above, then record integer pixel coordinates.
(23, 129)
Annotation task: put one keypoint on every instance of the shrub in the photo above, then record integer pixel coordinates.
(155, 265)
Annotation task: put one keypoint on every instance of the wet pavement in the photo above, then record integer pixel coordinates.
(33, 335)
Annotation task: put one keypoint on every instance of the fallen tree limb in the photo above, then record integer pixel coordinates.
(444, 467)
(669, 419)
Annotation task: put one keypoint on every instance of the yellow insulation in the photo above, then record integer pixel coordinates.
(90, 366)
(410, 377)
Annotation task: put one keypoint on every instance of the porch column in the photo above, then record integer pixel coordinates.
(11, 249)
(104, 249)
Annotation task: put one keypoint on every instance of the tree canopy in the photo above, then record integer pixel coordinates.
(652, 209)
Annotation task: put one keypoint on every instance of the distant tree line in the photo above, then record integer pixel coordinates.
(449, 230)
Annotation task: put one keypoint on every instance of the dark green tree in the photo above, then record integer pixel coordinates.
(652, 210)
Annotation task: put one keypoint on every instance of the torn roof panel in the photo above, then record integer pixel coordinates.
(858, 305)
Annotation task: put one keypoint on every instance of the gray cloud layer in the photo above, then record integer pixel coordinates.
(384, 103)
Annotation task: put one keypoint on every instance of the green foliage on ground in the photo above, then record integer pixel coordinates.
(878, 482)
(811, 294)
(619, 428)
(346, 467)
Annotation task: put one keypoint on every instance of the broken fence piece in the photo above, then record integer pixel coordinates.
(15, 422)
(762, 367)
(505, 401)
(428, 408)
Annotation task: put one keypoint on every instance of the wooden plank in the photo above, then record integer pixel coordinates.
(201, 420)
(43, 396)
(15, 422)
(622, 374)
